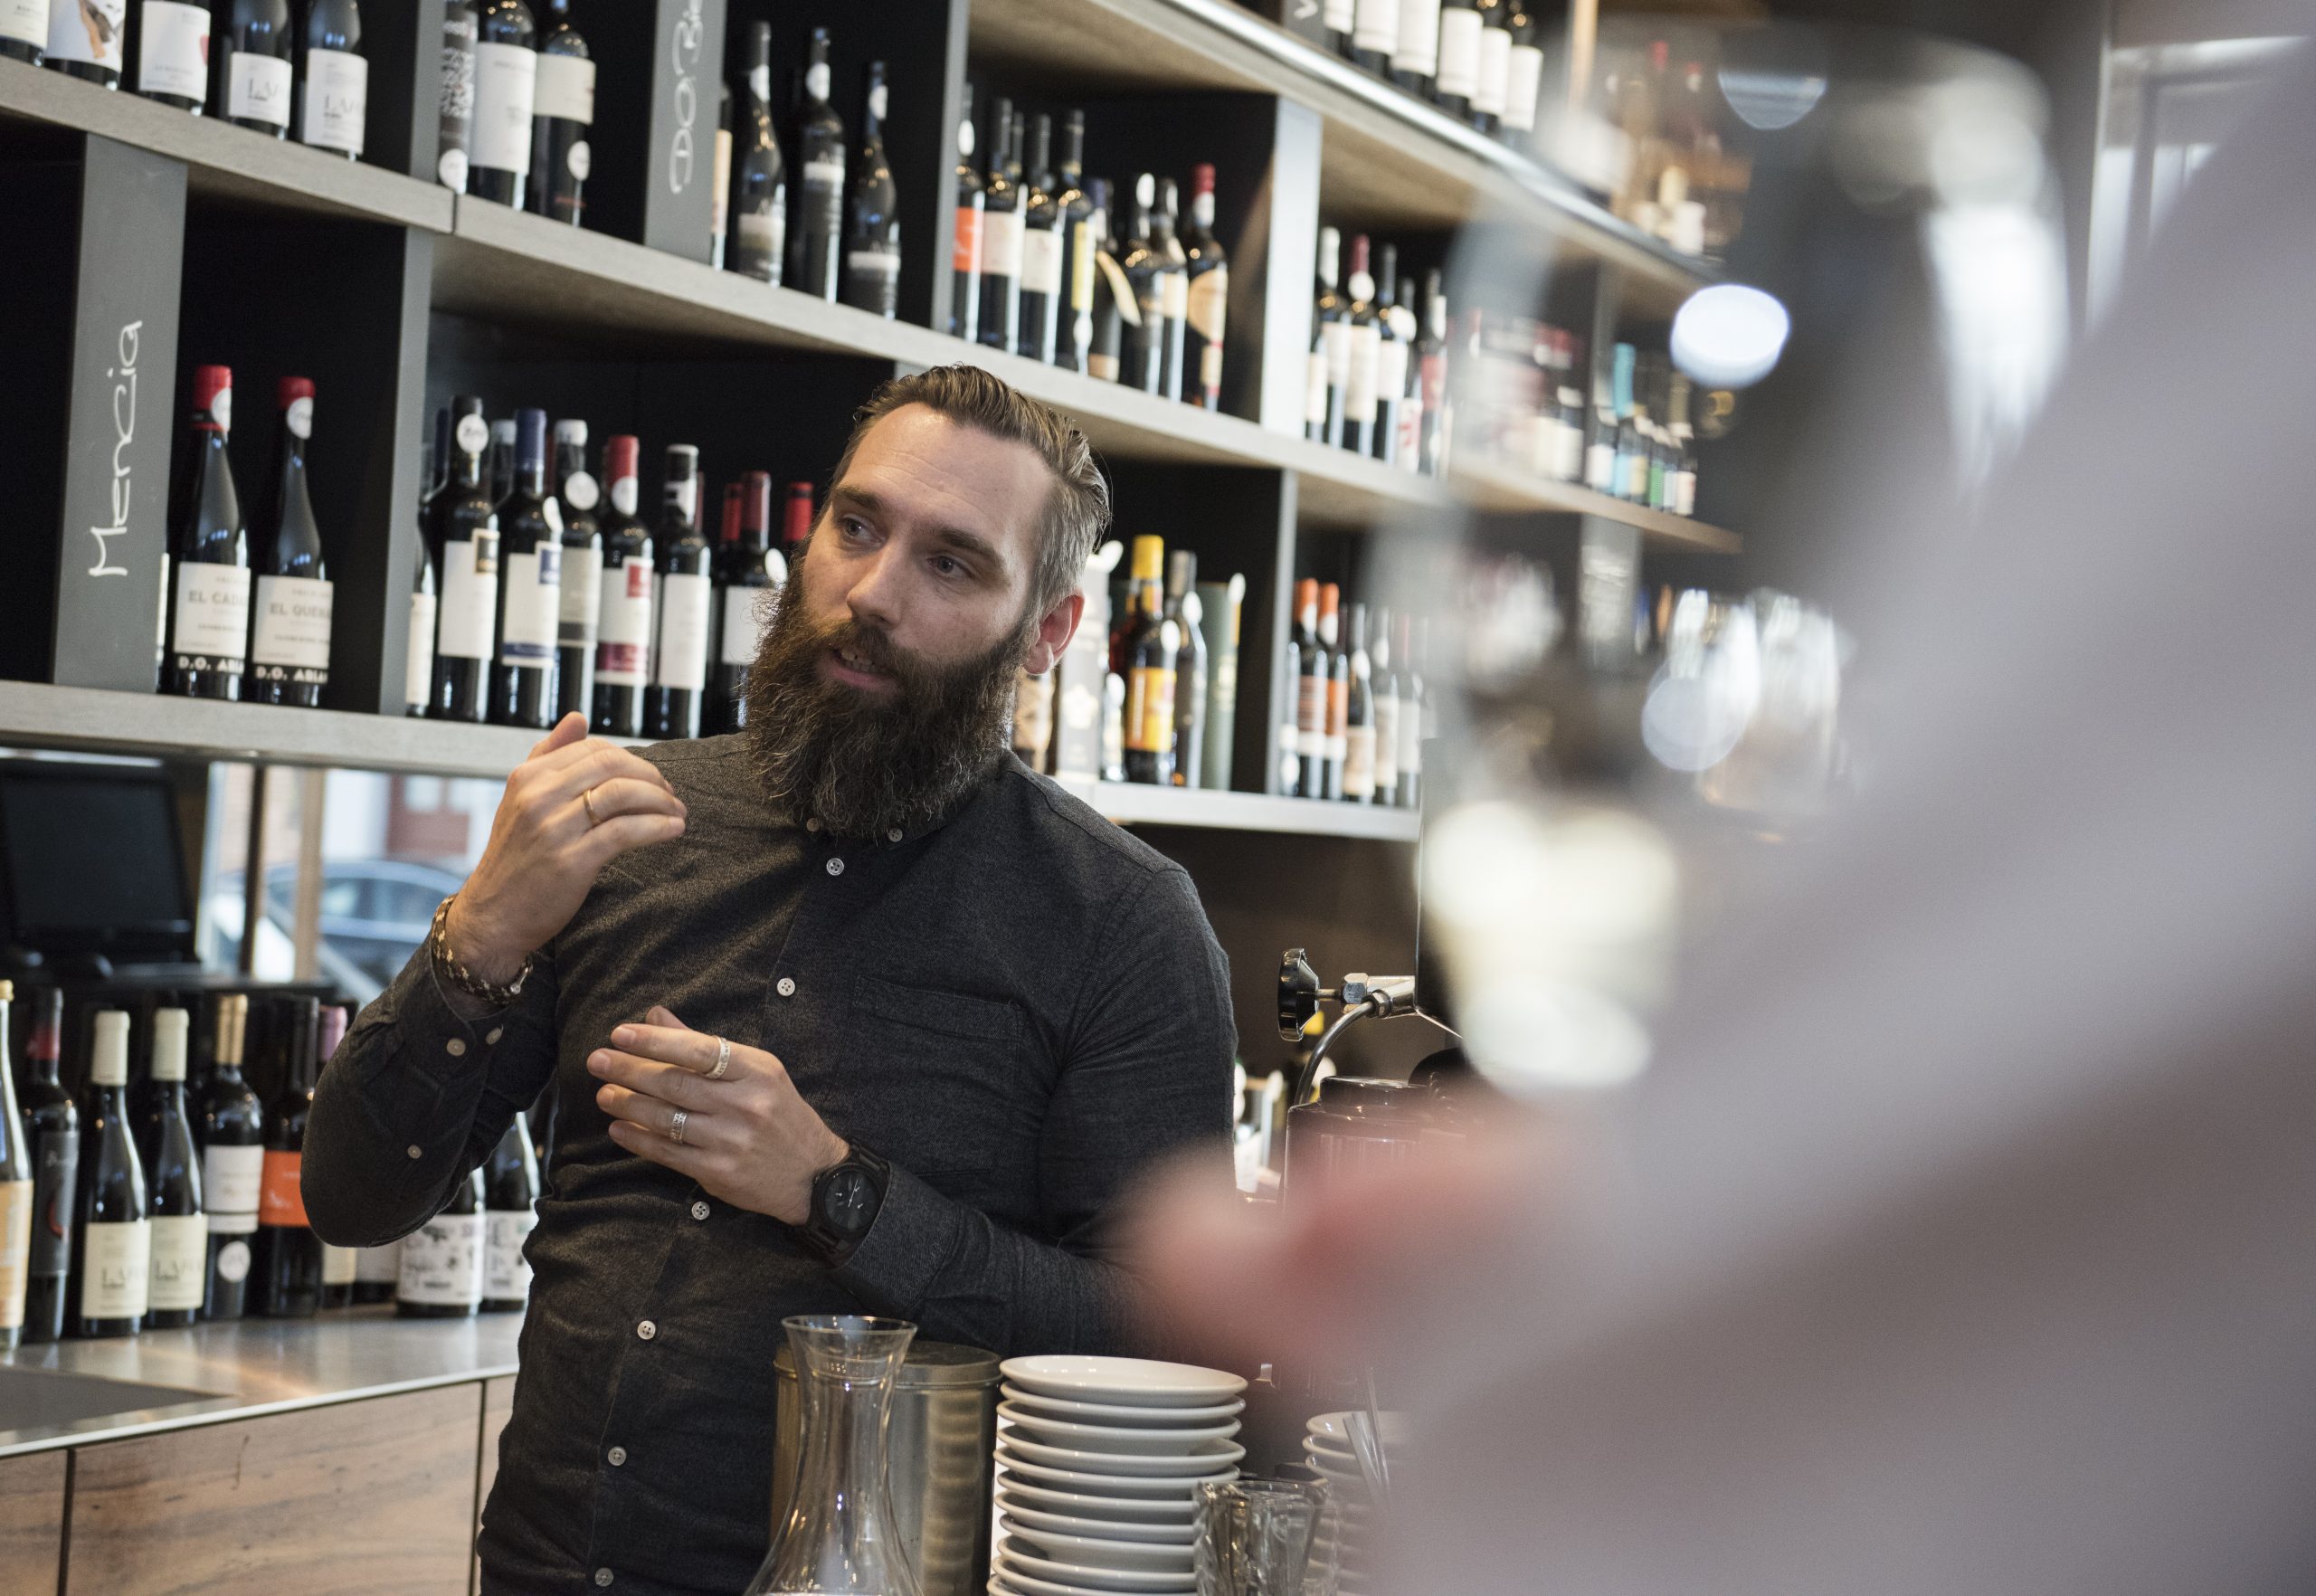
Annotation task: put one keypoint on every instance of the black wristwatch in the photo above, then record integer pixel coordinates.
(845, 1201)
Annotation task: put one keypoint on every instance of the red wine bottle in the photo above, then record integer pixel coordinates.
(1000, 321)
(443, 1259)
(758, 246)
(1074, 319)
(16, 1191)
(233, 1164)
(506, 93)
(623, 618)
(680, 668)
(333, 78)
(1207, 305)
(209, 612)
(466, 541)
(563, 114)
(85, 38)
(817, 235)
(290, 636)
(579, 495)
(340, 1265)
(253, 73)
(796, 522)
(288, 1266)
(747, 569)
(52, 1128)
(510, 1196)
(24, 35)
(172, 53)
(872, 223)
(173, 1176)
(113, 1228)
(965, 259)
(425, 586)
(1042, 242)
(530, 587)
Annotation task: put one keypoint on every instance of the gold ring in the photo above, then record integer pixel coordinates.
(676, 1127)
(723, 1058)
(588, 802)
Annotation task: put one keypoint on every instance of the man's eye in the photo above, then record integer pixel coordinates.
(948, 566)
(854, 527)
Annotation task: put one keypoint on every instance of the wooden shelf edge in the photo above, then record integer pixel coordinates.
(1132, 804)
(1491, 487)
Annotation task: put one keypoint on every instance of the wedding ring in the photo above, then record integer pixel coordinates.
(588, 802)
(723, 1058)
(676, 1127)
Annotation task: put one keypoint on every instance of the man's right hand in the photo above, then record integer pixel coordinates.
(545, 851)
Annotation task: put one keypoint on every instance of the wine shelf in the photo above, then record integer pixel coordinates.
(1129, 804)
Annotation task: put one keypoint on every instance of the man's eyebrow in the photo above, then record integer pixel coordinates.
(956, 537)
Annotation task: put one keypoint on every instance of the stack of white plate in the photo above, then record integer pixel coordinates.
(1349, 1537)
(1099, 1464)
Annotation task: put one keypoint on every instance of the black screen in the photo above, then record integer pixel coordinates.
(91, 861)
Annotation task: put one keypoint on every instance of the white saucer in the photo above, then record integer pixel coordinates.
(1115, 1438)
(1183, 1491)
(1204, 1458)
(1097, 1552)
(1128, 1381)
(1043, 1575)
(1091, 1412)
(1033, 1518)
(1336, 1427)
(1061, 1504)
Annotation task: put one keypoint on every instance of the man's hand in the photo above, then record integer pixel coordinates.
(574, 805)
(749, 1138)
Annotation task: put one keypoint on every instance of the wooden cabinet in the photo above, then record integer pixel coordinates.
(32, 1523)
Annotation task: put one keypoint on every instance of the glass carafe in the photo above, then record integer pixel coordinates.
(839, 1536)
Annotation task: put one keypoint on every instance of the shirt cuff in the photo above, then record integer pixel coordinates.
(908, 1248)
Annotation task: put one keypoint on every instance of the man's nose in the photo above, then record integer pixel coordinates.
(874, 598)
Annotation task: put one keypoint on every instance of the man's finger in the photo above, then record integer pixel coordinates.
(624, 796)
(654, 1116)
(680, 1156)
(603, 843)
(670, 1083)
(676, 1044)
(572, 728)
(598, 762)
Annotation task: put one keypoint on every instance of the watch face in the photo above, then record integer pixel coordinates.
(851, 1201)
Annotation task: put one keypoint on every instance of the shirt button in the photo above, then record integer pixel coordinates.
(812, 822)
(497, 1031)
(699, 1210)
(415, 1151)
(616, 1457)
(455, 1047)
(785, 986)
(647, 1329)
(602, 1576)
(836, 867)
(893, 835)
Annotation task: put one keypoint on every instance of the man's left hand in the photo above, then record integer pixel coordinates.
(749, 1138)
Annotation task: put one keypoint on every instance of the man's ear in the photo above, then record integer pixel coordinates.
(1054, 632)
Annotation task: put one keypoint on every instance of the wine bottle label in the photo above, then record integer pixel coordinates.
(623, 646)
(469, 596)
(1336, 340)
(583, 493)
(1410, 740)
(290, 641)
(506, 1277)
(338, 101)
(534, 607)
(1524, 88)
(441, 1262)
(1359, 763)
(378, 1265)
(180, 1261)
(1366, 358)
(281, 1200)
(338, 1265)
(1149, 724)
(87, 31)
(816, 81)
(1459, 52)
(719, 192)
(1209, 368)
(56, 1167)
(1496, 71)
(1568, 457)
(1391, 370)
(15, 1245)
(26, 22)
(1004, 244)
(1417, 50)
(1601, 466)
(418, 658)
(1387, 742)
(623, 495)
(1376, 26)
(765, 234)
(257, 87)
(212, 617)
(1685, 493)
(965, 255)
(232, 1261)
(1338, 716)
(506, 83)
(684, 603)
(1311, 713)
(747, 611)
(116, 1269)
(1041, 261)
(173, 57)
(1207, 305)
(1318, 379)
(231, 1180)
(565, 89)
(878, 260)
(1341, 15)
(1175, 295)
(823, 209)
(583, 597)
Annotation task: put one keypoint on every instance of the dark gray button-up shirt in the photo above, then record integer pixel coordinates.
(1020, 1009)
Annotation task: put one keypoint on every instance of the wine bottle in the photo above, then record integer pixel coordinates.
(1190, 667)
(680, 666)
(965, 244)
(817, 234)
(1458, 78)
(719, 187)
(1208, 299)
(289, 636)
(1523, 90)
(1001, 247)
(1041, 220)
(1374, 35)
(85, 38)
(1074, 332)
(173, 1177)
(1174, 287)
(1409, 647)
(502, 459)
(455, 137)
(233, 1164)
(580, 613)
(112, 1226)
(1431, 364)
(1312, 679)
(1489, 94)
(443, 1259)
(796, 524)
(1384, 690)
(562, 115)
(209, 618)
(333, 78)
(1339, 19)
(506, 93)
(172, 54)
(1359, 405)
(1359, 716)
(530, 587)
(1391, 363)
(1330, 638)
(510, 1196)
(376, 1272)
(288, 1263)
(872, 223)
(24, 35)
(1144, 262)
(1415, 58)
(1110, 306)
(1150, 650)
(465, 538)
(748, 581)
(16, 1186)
(624, 621)
(52, 1129)
(1330, 360)
(1219, 607)
(758, 246)
(254, 78)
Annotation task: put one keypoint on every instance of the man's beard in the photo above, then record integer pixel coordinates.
(865, 764)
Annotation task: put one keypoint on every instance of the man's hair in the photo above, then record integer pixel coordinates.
(1076, 511)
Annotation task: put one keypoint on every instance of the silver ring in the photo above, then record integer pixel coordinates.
(588, 802)
(723, 1058)
(676, 1127)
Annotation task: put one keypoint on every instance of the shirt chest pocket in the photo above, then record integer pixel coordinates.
(942, 1082)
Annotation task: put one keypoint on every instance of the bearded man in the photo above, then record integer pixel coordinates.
(848, 1013)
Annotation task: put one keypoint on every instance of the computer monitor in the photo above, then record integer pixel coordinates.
(92, 861)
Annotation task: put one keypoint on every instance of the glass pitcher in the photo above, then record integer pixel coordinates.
(839, 1536)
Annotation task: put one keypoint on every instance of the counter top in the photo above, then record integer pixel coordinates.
(73, 1392)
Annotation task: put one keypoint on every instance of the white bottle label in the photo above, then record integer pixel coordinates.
(213, 615)
(623, 635)
(1387, 742)
(565, 89)
(116, 1269)
(1174, 296)
(1567, 463)
(583, 597)
(1316, 381)
(1366, 355)
(1418, 51)
(1410, 739)
(1496, 71)
(1601, 466)
(1377, 27)
(1359, 763)
(418, 663)
(816, 81)
(1210, 303)
(26, 22)
(290, 641)
(338, 1265)
(338, 101)
(582, 493)
(1341, 15)
(230, 1179)
(683, 632)
(378, 1265)
(506, 83)
(88, 30)
(506, 1277)
(1524, 91)
(1041, 261)
(746, 612)
(1337, 342)
(1003, 247)
(441, 1262)
(1391, 370)
(257, 87)
(180, 1262)
(534, 607)
(1459, 52)
(765, 233)
(469, 596)
(173, 55)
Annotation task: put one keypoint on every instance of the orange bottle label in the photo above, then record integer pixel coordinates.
(281, 1200)
(965, 256)
(1150, 710)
